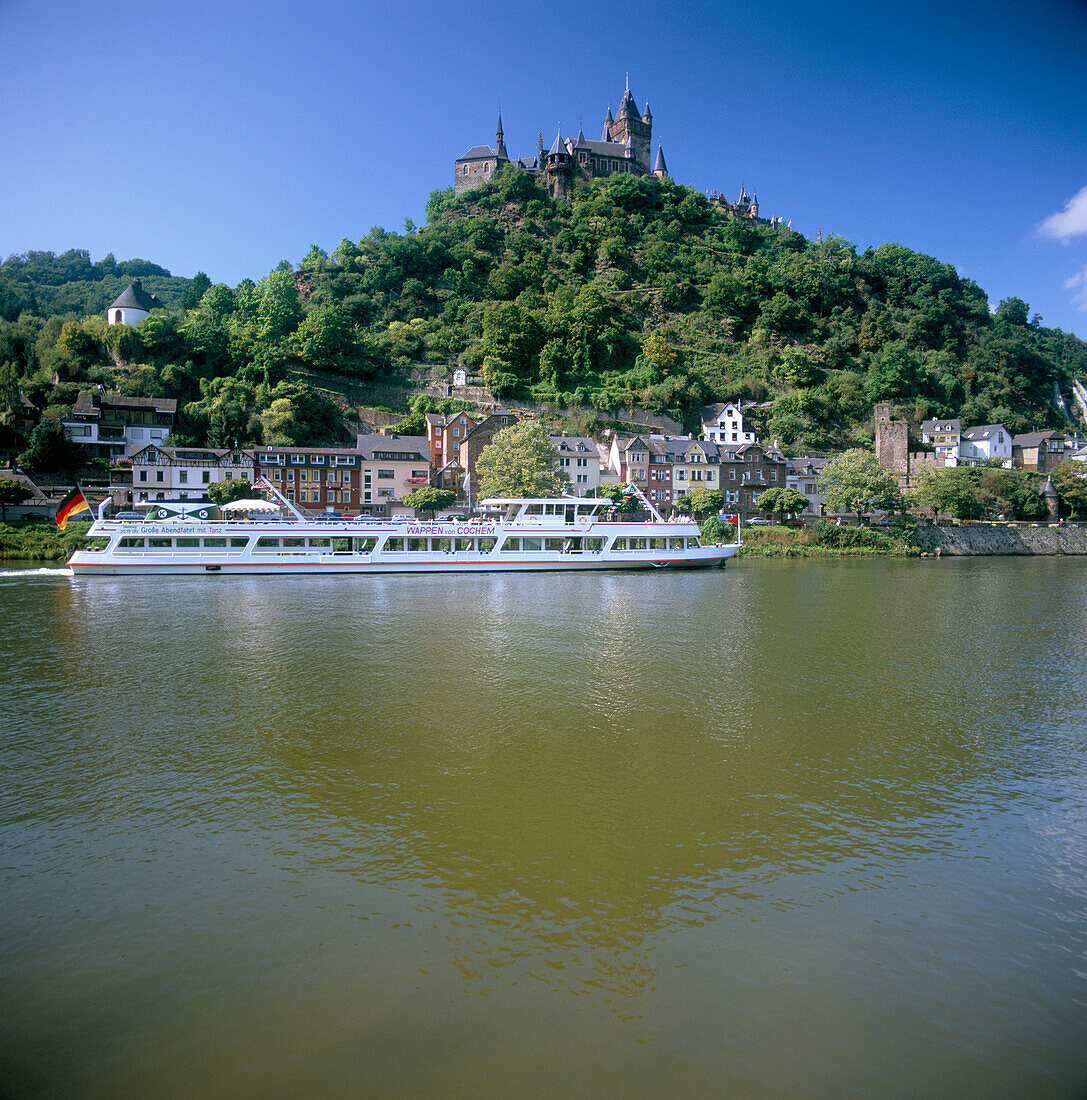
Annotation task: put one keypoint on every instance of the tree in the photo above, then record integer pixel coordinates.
(520, 462)
(657, 349)
(1070, 481)
(704, 502)
(427, 498)
(855, 482)
(11, 492)
(191, 298)
(223, 492)
(49, 449)
(624, 502)
(952, 490)
(780, 501)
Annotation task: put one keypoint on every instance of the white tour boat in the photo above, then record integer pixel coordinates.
(545, 533)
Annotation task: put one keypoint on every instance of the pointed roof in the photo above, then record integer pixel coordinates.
(581, 142)
(135, 297)
(558, 146)
(628, 108)
(500, 143)
(647, 114)
(658, 164)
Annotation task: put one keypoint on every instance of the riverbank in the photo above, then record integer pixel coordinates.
(837, 542)
(41, 541)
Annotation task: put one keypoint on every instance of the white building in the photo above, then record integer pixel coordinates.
(579, 460)
(989, 441)
(803, 476)
(133, 304)
(724, 423)
(115, 425)
(184, 473)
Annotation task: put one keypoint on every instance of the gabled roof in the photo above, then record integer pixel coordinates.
(1032, 439)
(944, 424)
(985, 431)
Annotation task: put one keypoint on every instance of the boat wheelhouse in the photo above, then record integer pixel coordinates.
(510, 535)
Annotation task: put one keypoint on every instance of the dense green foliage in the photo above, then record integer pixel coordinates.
(633, 293)
(855, 482)
(37, 541)
(973, 492)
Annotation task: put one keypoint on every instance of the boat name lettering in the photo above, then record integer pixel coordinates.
(440, 529)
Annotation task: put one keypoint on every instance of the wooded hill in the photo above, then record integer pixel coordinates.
(634, 293)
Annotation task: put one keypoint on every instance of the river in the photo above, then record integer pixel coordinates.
(790, 828)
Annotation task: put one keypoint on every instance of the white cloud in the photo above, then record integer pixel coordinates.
(1078, 283)
(1070, 222)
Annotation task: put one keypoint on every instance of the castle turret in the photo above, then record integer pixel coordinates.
(608, 122)
(660, 169)
(500, 141)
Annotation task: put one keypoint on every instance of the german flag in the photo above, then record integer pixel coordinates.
(71, 505)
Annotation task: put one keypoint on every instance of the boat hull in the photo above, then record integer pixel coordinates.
(99, 563)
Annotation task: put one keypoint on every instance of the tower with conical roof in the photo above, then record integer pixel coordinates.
(132, 305)
(660, 169)
(637, 128)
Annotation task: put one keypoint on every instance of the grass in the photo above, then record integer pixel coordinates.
(34, 540)
(811, 542)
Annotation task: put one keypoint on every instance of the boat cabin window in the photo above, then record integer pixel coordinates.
(294, 543)
(239, 543)
(531, 544)
(159, 543)
(215, 542)
(394, 544)
(130, 544)
(658, 544)
(320, 544)
(267, 542)
(554, 544)
(534, 510)
(365, 546)
(486, 545)
(187, 544)
(341, 546)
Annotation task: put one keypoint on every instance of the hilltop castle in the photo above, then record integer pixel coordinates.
(624, 146)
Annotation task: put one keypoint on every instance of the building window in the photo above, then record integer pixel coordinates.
(386, 475)
(183, 477)
(206, 475)
(158, 475)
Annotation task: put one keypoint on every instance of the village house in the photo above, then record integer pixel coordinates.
(176, 473)
(802, 474)
(944, 436)
(391, 467)
(319, 478)
(1038, 451)
(111, 425)
(724, 423)
(984, 444)
(580, 461)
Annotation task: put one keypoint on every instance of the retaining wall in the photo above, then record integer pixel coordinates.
(982, 539)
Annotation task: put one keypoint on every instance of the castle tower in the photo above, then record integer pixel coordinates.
(638, 129)
(558, 168)
(660, 169)
(608, 121)
(132, 305)
(892, 441)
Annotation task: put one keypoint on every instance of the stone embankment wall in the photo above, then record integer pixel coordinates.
(980, 538)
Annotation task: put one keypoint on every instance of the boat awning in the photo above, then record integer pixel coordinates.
(250, 506)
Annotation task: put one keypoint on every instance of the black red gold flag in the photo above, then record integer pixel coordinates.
(73, 503)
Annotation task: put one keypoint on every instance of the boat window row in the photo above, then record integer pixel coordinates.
(624, 542)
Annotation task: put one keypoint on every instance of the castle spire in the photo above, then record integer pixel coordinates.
(660, 169)
(500, 141)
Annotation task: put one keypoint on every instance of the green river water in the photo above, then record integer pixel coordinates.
(784, 829)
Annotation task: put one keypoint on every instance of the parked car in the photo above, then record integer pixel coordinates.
(455, 517)
(794, 522)
(758, 521)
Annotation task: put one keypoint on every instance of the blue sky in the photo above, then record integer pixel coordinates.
(225, 137)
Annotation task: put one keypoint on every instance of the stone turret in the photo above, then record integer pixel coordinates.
(660, 169)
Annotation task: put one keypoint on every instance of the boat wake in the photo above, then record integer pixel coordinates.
(62, 572)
